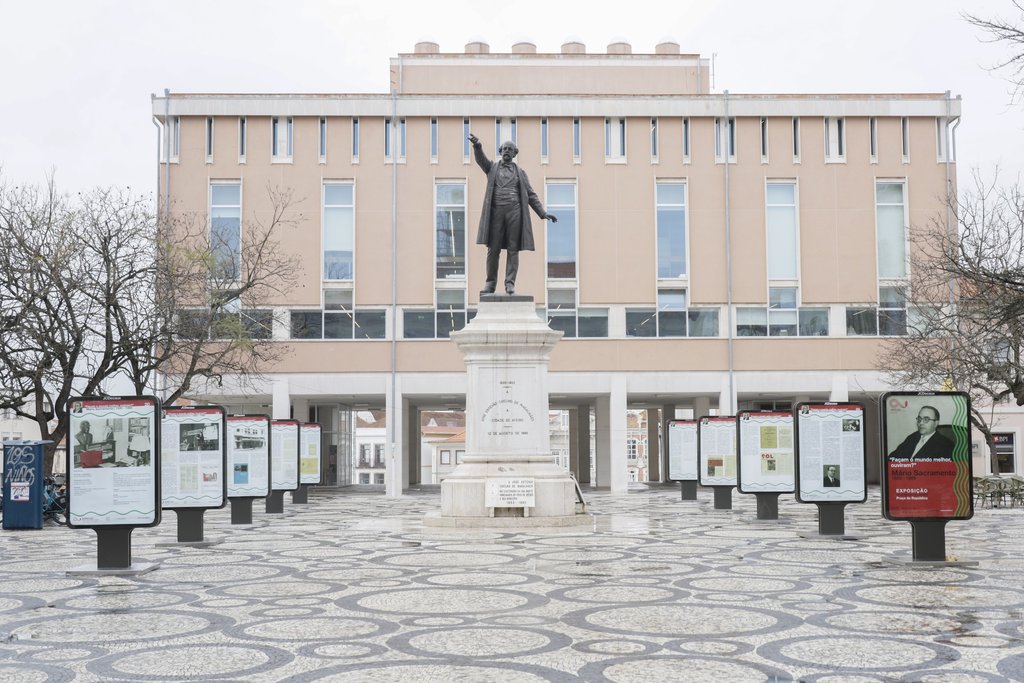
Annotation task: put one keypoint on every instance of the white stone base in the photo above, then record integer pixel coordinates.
(463, 493)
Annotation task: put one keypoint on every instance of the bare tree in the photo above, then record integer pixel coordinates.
(967, 329)
(95, 289)
(1011, 34)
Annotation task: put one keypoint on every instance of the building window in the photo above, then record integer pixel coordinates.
(364, 477)
(764, 140)
(504, 130)
(209, 139)
(1005, 452)
(241, 139)
(561, 236)
(562, 311)
(544, 140)
(671, 227)
(564, 315)
(782, 312)
(796, 140)
(226, 228)
(891, 221)
(450, 231)
(672, 318)
(615, 139)
(449, 315)
(654, 139)
(782, 317)
(940, 138)
(631, 449)
(172, 141)
(686, 139)
(281, 129)
(905, 138)
(835, 139)
(459, 455)
(465, 141)
(387, 138)
(576, 142)
(446, 457)
(378, 477)
(873, 140)
(782, 230)
(725, 139)
(339, 230)
(401, 139)
(451, 311)
(338, 320)
(355, 140)
(892, 311)
(378, 456)
(433, 140)
(322, 147)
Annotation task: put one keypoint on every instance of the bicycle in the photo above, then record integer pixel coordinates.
(55, 502)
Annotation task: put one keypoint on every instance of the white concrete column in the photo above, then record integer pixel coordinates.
(611, 437)
(668, 412)
(701, 407)
(282, 406)
(584, 455)
(395, 408)
(840, 389)
(654, 468)
(301, 406)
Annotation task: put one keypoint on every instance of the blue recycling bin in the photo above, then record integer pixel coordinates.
(23, 484)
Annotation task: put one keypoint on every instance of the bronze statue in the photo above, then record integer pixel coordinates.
(505, 219)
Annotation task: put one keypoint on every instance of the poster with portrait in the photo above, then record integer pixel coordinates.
(309, 453)
(248, 469)
(716, 444)
(193, 458)
(926, 452)
(831, 453)
(113, 462)
(765, 445)
(284, 455)
(682, 450)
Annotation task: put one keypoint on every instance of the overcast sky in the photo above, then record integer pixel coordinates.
(78, 74)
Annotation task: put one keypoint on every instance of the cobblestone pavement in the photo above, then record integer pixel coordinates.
(352, 587)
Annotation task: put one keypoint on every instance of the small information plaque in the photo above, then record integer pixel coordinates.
(509, 493)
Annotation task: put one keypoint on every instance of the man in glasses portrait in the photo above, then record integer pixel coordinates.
(926, 442)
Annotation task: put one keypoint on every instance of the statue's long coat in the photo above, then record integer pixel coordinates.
(527, 198)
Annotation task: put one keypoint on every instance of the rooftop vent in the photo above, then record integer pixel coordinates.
(620, 48)
(524, 48)
(574, 48)
(477, 48)
(667, 48)
(427, 48)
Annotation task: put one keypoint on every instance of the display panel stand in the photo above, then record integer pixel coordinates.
(831, 519)
(190, 529)
(767, 505)
(929, 541)
(113, 555)
(241, 510)
(301, 495)
(723, 497)
(688, 489)
(275, 502)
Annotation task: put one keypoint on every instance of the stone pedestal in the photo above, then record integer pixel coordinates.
(508, 476)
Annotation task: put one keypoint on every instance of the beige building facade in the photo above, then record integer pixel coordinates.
(714, 251)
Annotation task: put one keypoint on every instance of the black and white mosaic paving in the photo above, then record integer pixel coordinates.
(353, 587)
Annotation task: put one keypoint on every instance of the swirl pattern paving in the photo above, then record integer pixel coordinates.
(353, 587)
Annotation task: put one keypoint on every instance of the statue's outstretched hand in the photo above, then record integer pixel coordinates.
(474, 139)
(553, 219)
